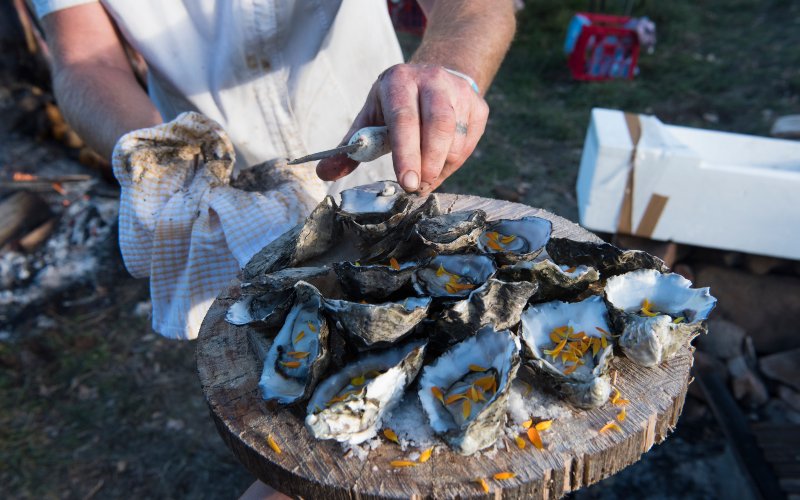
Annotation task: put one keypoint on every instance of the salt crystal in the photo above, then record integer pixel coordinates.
(410, 423)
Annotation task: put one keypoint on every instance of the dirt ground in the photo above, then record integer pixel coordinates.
(93, 404)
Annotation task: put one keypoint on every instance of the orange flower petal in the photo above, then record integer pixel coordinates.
(483, 484)
(502, 476)
(425, 455)
(437, 393)
(535, 438)
(402, 463)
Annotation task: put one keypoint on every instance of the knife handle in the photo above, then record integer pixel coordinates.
(374, 142)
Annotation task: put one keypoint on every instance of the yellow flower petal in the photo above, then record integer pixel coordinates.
(272, 444)
(402, 463)
(483, 484)
(425, 455)
(390, 435)
(543, 425)
(520, 442)
(502, 476)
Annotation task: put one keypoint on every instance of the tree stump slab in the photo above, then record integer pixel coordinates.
(575, 454)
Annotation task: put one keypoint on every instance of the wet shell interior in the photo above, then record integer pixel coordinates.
(392, 285)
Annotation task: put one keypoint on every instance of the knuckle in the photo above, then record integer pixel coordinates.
(441, 120)
(403, 115)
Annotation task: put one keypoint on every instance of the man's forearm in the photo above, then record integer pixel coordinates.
(102, 104)
(471, 37)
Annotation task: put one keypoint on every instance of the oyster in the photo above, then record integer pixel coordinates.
(556, 282)
(656, 313)
(496, 302)
(373, 209)
(451, 232)
(400, 243)
(374, 281)
(465, 391)
(305, 241)
(265, 300)
(606, 258)
(570, 344)
(373, 325)
(452, 275)
(514, 240)
(299, 354)
(349, 405)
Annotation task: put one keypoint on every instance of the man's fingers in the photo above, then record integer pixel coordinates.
(398, 99)
(438, 130)
(336, 167)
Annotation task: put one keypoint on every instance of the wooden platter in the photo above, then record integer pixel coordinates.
(575, 453)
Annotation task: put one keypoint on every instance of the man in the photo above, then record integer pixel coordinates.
(283, 79)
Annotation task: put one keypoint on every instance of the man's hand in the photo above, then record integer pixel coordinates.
(435, 120)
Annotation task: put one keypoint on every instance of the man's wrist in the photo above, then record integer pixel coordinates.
(466, 78)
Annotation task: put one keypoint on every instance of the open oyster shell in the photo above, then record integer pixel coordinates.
(305, 241)
(299, 355)
(673, 314)
(453, 275)
(553, 330)
(515, 240)
(374, 281)
(349, 405)
(451, 232)
(606, 258)
(465, 391)
(556, 282)
(400, 243)
(265, 300)
(374, 325)
(496, 302)
(373, 209)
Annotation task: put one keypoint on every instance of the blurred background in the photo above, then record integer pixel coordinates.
(94, 404)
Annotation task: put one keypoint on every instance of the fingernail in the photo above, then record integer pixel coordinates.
(410, 181)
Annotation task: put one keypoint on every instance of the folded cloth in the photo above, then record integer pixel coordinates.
(186, 226)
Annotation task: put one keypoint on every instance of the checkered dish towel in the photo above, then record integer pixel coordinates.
(185, 226)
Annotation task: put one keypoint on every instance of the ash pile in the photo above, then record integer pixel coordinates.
(58, 203)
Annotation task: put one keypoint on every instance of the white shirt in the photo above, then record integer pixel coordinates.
(284, 78)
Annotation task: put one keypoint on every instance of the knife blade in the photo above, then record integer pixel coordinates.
(367, 144)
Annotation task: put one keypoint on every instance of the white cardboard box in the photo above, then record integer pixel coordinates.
(706, 188)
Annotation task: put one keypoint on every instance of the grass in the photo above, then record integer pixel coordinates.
(94, 404)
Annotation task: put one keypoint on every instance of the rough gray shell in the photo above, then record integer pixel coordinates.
(451, 232)
(266, 299)
(556, 282)
(352, 413)
(496, 302)
(650, 340)
(305, 241)
(498, 353)
(373, 281)
(376, 325)
(372, 210)
(606, 258)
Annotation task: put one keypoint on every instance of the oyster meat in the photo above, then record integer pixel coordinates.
(299, 355)
(570, 345)
(349, 405)
(515, 240)
(464, 393)
(656, 313)
(453, 275)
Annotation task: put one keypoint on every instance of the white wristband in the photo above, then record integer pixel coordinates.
(465, 77)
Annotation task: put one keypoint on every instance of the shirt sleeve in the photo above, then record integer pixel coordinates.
(44, 7)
